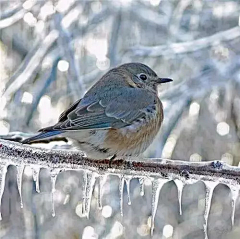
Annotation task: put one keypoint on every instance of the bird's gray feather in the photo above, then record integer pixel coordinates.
(111, 111)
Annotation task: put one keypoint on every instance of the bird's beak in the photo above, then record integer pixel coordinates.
(163, 80)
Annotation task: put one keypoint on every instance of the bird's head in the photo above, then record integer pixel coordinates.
(143, 76)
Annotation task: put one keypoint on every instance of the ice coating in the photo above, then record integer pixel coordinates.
(209, 192)
(90, 181)
(142, 182)
(189, 172)
(235, 192)
(180, 186)
(101, 181)
(121, 186)
(36, 172)
(157, 185)
(3, 172)
(84, 192)
(128, 180)
(20, 170)
(54, 173)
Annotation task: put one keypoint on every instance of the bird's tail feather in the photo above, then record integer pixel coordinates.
(42, 135)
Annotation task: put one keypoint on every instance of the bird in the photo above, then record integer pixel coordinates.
(119, 116)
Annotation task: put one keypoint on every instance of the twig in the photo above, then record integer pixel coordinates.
(8, 13)
(18, 154)
(9, 17)
(23, 65)
(149, 17)
(64, 44)
(170, 122)
(92, 23)
(174, 25)
(42, 90)
(33, 64)
(112, 51)
(190, 46)
(7, 22)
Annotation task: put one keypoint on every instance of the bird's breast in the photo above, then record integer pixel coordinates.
(137, 136)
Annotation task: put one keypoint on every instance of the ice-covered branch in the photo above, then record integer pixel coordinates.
(189, 46)
(45, 84)
(66, 48)
(9, 12)
(14, 14)
(33, 61)
(32, 64)
(18, 154)
(6, 22)
(159, 171)
(149, 17)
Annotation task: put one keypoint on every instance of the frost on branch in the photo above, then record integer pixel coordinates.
(159, 171)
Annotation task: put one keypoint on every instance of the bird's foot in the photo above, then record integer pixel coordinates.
(111, 160)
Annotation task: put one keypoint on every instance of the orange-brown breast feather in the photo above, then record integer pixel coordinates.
(132, 139)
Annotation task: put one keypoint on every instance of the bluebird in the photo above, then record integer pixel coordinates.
(119, 116)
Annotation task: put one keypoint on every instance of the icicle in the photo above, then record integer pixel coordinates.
(20, 170)
(54, 174)
(36, 171)
(209, 192)
(101, 181)
(3, 172)
(235, 193)
(141, 181)
(180, 186)
(121, 186)
(128, 180)
(84, 192)
(91, 177)
(156, 188)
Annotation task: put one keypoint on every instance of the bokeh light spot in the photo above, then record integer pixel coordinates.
(30, 19)
(195, 157)
(63, 66)
(167, 231)
(194, 109)
(89, 233)
(27, 98)
(155, 2)
(223, 128)
(28, 4)
(107, 211)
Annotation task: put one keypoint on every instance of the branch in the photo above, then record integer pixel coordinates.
(146, 16)
(171, 120)
(9, 12)
(13, 15)
(112, 50)
(9, 21)
(41, 90)
(18, 154)
(190, 46)
(174, 26)
(33, 62)
(64, 44)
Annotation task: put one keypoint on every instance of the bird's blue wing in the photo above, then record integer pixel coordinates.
(43, 135)
(108, 112)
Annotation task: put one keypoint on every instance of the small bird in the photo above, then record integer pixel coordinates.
(119, 116)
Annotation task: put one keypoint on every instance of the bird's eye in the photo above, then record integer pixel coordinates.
(142, 76)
